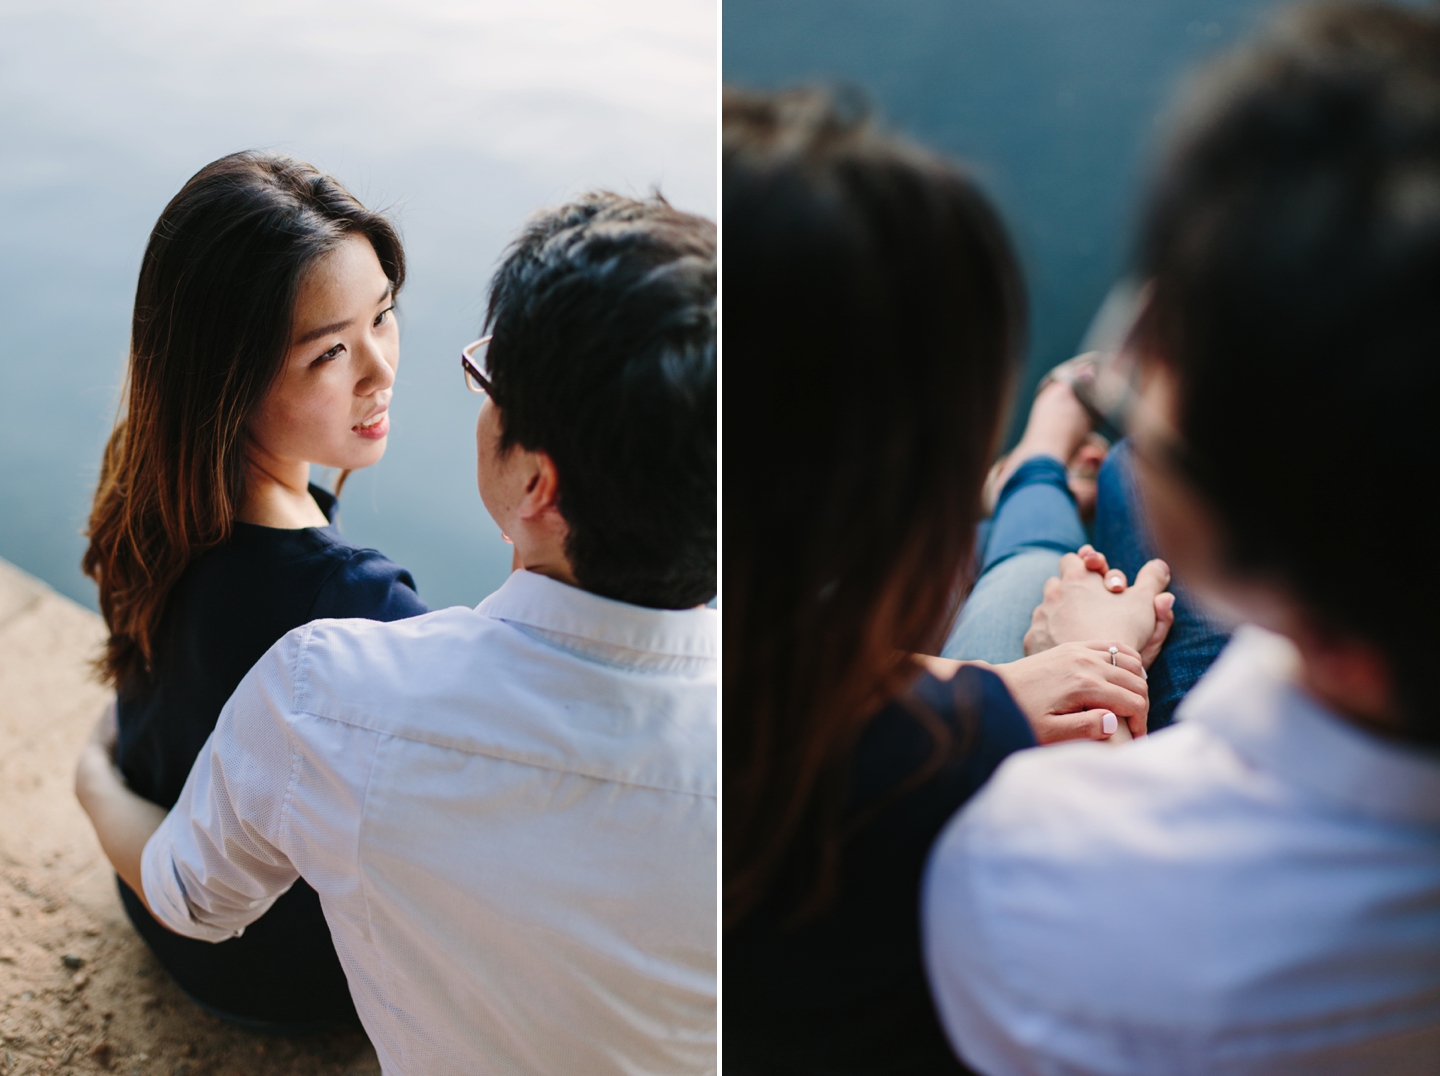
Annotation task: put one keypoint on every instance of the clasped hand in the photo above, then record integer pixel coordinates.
(1067, 685)
(1091, 600)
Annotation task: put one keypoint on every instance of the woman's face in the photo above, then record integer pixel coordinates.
(329, 405)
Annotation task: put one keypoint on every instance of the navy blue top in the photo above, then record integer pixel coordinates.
(229, 607)
(845, 992)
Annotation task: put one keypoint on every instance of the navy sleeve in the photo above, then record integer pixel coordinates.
(1003, 728)
(370, 586)
(985, 726)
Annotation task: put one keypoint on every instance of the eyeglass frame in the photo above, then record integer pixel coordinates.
(472, 373)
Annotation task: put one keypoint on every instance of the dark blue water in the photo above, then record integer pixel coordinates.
(462, 117)
(1056, 104)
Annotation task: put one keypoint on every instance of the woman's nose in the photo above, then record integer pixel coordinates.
(378, 372)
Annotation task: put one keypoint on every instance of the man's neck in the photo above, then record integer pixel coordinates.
(1363, 701)
(553, 566)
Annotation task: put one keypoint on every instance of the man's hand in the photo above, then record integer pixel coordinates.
(1091, 601)
(1069, 691)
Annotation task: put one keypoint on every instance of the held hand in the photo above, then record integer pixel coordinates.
(1088, 601)
(1068, 692)
(97, 756)
(123, 821)
(106, 733)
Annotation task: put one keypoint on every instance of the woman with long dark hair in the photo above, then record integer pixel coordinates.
(873, 317)
(263, 342)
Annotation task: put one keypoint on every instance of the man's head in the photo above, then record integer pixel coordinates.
(1293, 242)
(597, 444)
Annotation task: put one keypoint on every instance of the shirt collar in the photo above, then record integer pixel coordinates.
(1251, 699)
(557, 609)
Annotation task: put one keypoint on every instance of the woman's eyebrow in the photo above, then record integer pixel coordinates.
(324, 330)
(337, 326)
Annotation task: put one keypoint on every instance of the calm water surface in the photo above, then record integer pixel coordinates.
(462, 117)
(1056, 105)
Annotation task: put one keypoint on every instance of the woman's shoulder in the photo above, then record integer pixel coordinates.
(367, 584)
(303, 574)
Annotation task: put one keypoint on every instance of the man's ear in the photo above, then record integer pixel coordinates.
(542, 488)
(1352, 674)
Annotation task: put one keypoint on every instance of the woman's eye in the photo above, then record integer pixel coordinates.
(384, 316)
(332, 353)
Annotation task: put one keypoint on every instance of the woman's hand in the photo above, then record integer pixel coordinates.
(1070, 690)
(1089, 600)
(96, 765)
(123, 821)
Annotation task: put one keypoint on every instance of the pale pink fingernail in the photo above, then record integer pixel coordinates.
(1116, 582)
(1109, 724)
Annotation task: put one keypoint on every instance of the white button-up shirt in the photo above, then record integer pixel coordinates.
(508, 813)
(1255, 890)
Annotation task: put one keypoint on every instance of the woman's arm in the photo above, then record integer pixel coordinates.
(123, 821)
(1072, 691)
(1075, 691)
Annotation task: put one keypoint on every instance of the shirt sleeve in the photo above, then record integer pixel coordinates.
(216, 863)
(368, 585)
(1003, 728)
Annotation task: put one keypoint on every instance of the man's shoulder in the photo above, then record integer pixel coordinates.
(1166, 892)
(1115, 801)
(460, 680)
(1121, 800)
(336, 652)
(457, 625)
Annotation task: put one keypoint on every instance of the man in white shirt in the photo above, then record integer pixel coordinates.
(508, 812)
(1256, 890)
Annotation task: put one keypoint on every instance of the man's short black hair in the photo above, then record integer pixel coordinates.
(1294, 246)
(604, 357)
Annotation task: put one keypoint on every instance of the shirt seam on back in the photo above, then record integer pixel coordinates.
(505, 757)
(545, 636)
(297, 673)
(399, 1044)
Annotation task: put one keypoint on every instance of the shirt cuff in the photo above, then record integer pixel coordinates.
(165, 893)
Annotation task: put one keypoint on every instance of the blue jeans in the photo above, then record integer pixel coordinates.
(1195, 639)
(1034, 524)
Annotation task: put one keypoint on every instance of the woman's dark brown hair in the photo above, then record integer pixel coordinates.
(872, 311)
(212, 324)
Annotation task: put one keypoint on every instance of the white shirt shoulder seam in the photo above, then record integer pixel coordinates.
(504, 756)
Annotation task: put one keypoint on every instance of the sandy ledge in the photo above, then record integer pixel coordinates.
(79, 992)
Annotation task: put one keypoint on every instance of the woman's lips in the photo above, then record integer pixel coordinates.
(375, 427)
